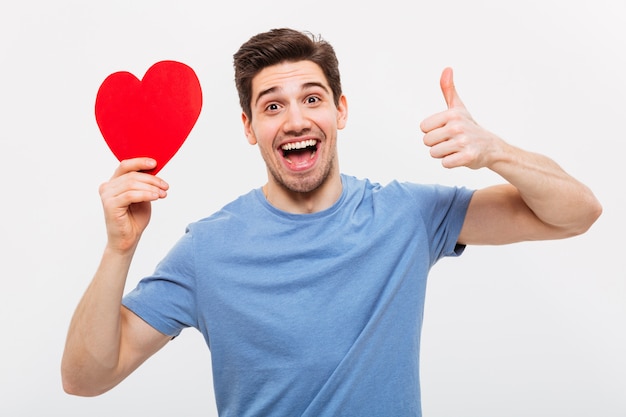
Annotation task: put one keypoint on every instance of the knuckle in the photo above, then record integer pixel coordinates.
(456, 129)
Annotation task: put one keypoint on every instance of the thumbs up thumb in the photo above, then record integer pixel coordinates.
(449, 90)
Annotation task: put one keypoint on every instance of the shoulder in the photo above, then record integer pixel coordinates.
(428, 203)
(234, 212)
(407, 192)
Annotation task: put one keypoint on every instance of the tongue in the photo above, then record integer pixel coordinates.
(299, 157)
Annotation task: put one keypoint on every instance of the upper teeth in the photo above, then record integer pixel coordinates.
(299, 145)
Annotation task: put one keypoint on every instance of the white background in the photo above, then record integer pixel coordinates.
(532, 329)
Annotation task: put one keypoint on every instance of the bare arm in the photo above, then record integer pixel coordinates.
(105, 341)
(541, 201)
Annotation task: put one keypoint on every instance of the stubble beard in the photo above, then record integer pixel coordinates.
(307, 182)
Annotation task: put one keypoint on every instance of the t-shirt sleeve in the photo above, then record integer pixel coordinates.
(443, 211)
(166, 299)
(448, 220)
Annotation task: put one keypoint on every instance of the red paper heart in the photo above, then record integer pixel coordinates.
(151, 117)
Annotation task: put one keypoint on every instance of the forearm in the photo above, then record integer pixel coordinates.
(542, 200)
(91, 358)
(554, 196)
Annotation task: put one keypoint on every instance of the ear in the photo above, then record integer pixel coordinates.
(342, 112)
(247, 128)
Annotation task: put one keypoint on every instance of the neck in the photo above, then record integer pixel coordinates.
(313, 201)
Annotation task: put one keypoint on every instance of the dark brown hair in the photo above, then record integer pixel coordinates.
(282, 45)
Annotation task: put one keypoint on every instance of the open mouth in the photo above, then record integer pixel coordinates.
(299, 154)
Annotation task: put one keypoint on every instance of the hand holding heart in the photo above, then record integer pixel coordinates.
(144, 123)
(126, 201)
(453, 136)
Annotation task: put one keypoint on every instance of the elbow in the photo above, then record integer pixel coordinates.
(74, 386)
(76, 383)
(79, 389)
(595, 211)
(592, 212)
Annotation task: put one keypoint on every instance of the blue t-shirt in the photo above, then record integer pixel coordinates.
(310, 314)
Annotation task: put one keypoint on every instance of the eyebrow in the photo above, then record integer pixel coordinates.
(305, 86)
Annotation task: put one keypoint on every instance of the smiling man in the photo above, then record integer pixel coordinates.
(294, 120)
(309, 290)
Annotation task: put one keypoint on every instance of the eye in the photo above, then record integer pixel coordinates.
(271, 107)
(312, 99)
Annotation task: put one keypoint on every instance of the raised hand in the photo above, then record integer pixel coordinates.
(453, 136)
(126, 201)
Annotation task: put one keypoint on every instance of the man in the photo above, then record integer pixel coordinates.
(309, 290)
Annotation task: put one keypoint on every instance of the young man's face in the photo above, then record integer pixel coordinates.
(295, 121)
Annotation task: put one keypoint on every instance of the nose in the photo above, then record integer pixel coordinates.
(296, 119)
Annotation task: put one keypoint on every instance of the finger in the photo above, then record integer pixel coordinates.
(434, 122)
(435, 137)
(135, 182)
(117, 196)
(449, 90)
(450, 156)
(135, 164)
(115, 189)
